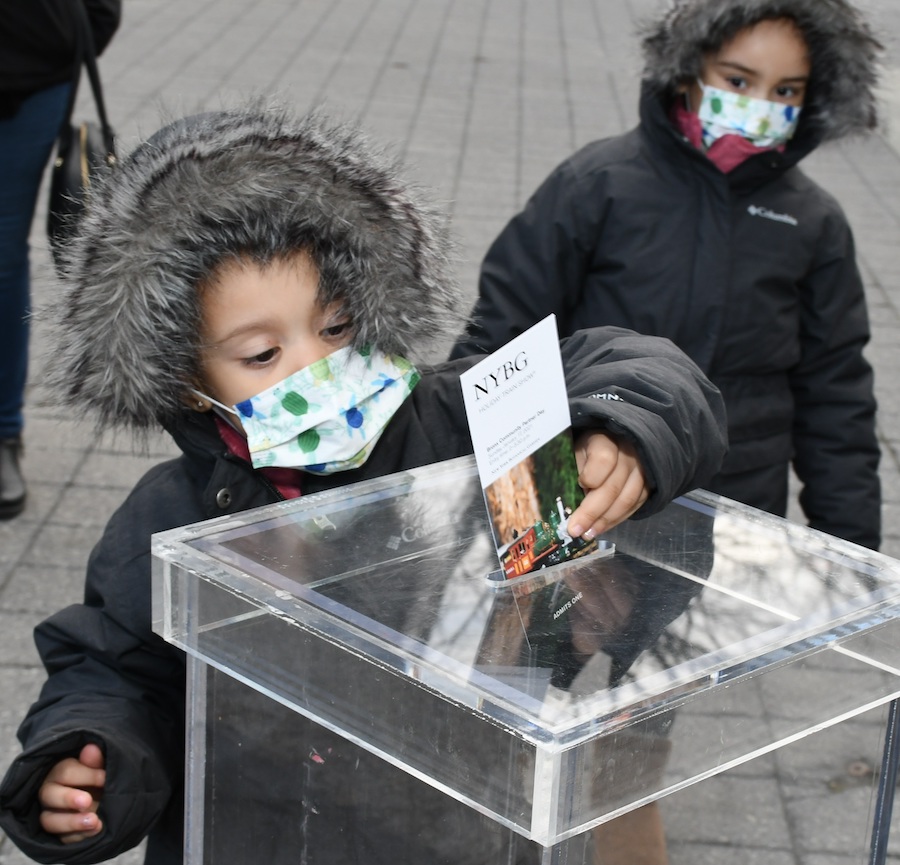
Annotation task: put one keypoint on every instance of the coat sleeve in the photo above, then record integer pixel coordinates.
(646, 390)
(836, 450)
(537, 264)
(112, 682)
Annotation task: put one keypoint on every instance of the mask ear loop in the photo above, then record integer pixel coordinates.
(228, 414)
(687, 96)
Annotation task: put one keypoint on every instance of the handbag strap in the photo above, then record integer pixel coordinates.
(85, 55)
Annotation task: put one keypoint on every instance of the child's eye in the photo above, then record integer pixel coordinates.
(737, 82)
(262, 358)
(338, 330)
(787, 92)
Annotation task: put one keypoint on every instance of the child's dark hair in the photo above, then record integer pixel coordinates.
(843, 52)
(252, 183)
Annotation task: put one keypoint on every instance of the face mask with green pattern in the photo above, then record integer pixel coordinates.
(760, 121)
(328, 416)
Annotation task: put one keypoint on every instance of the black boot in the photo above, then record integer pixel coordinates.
(12, 484)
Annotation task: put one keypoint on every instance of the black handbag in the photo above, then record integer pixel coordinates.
(81, 150)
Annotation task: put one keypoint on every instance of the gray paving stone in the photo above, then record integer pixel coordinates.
(727, 810)
(36, 591)
(44, 461)
(827, 822)
(18, 648)
(87, 505)
(16, 536)
(115, 471)
(716, 854)
(25, 682)
(62, 545)
(861, 858)
(9, 855)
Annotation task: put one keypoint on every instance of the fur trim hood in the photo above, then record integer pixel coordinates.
(844, 53)
(255, 183)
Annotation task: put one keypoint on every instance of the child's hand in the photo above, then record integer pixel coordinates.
(70, 796)
(613, 481)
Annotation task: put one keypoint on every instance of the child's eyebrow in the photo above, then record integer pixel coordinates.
(738, 67)
(746, 70)
(248, 329)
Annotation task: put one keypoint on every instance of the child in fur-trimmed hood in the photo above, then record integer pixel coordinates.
(842, 48)
(235, 259)
(698, 225)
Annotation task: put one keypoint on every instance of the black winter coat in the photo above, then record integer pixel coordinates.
(752, 274)
(38, 43)
(114, 682)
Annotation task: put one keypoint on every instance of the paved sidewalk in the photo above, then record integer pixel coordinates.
(483, 97)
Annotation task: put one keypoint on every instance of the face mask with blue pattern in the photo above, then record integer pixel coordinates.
(328, 416)
(760, 121)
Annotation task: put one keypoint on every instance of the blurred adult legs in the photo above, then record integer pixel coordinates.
(26, 142)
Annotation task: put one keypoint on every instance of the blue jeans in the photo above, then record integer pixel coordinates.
(26, 142)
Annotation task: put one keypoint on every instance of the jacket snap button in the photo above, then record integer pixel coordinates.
(223, 497)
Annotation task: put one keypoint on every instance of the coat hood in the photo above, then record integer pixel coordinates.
(254, 183)
(844, 52)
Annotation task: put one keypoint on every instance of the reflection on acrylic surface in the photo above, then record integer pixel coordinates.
(687, 595)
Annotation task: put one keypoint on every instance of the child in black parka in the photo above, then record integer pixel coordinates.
(228, 267)
(699, 226)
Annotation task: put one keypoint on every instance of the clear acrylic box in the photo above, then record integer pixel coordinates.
(361, 690)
